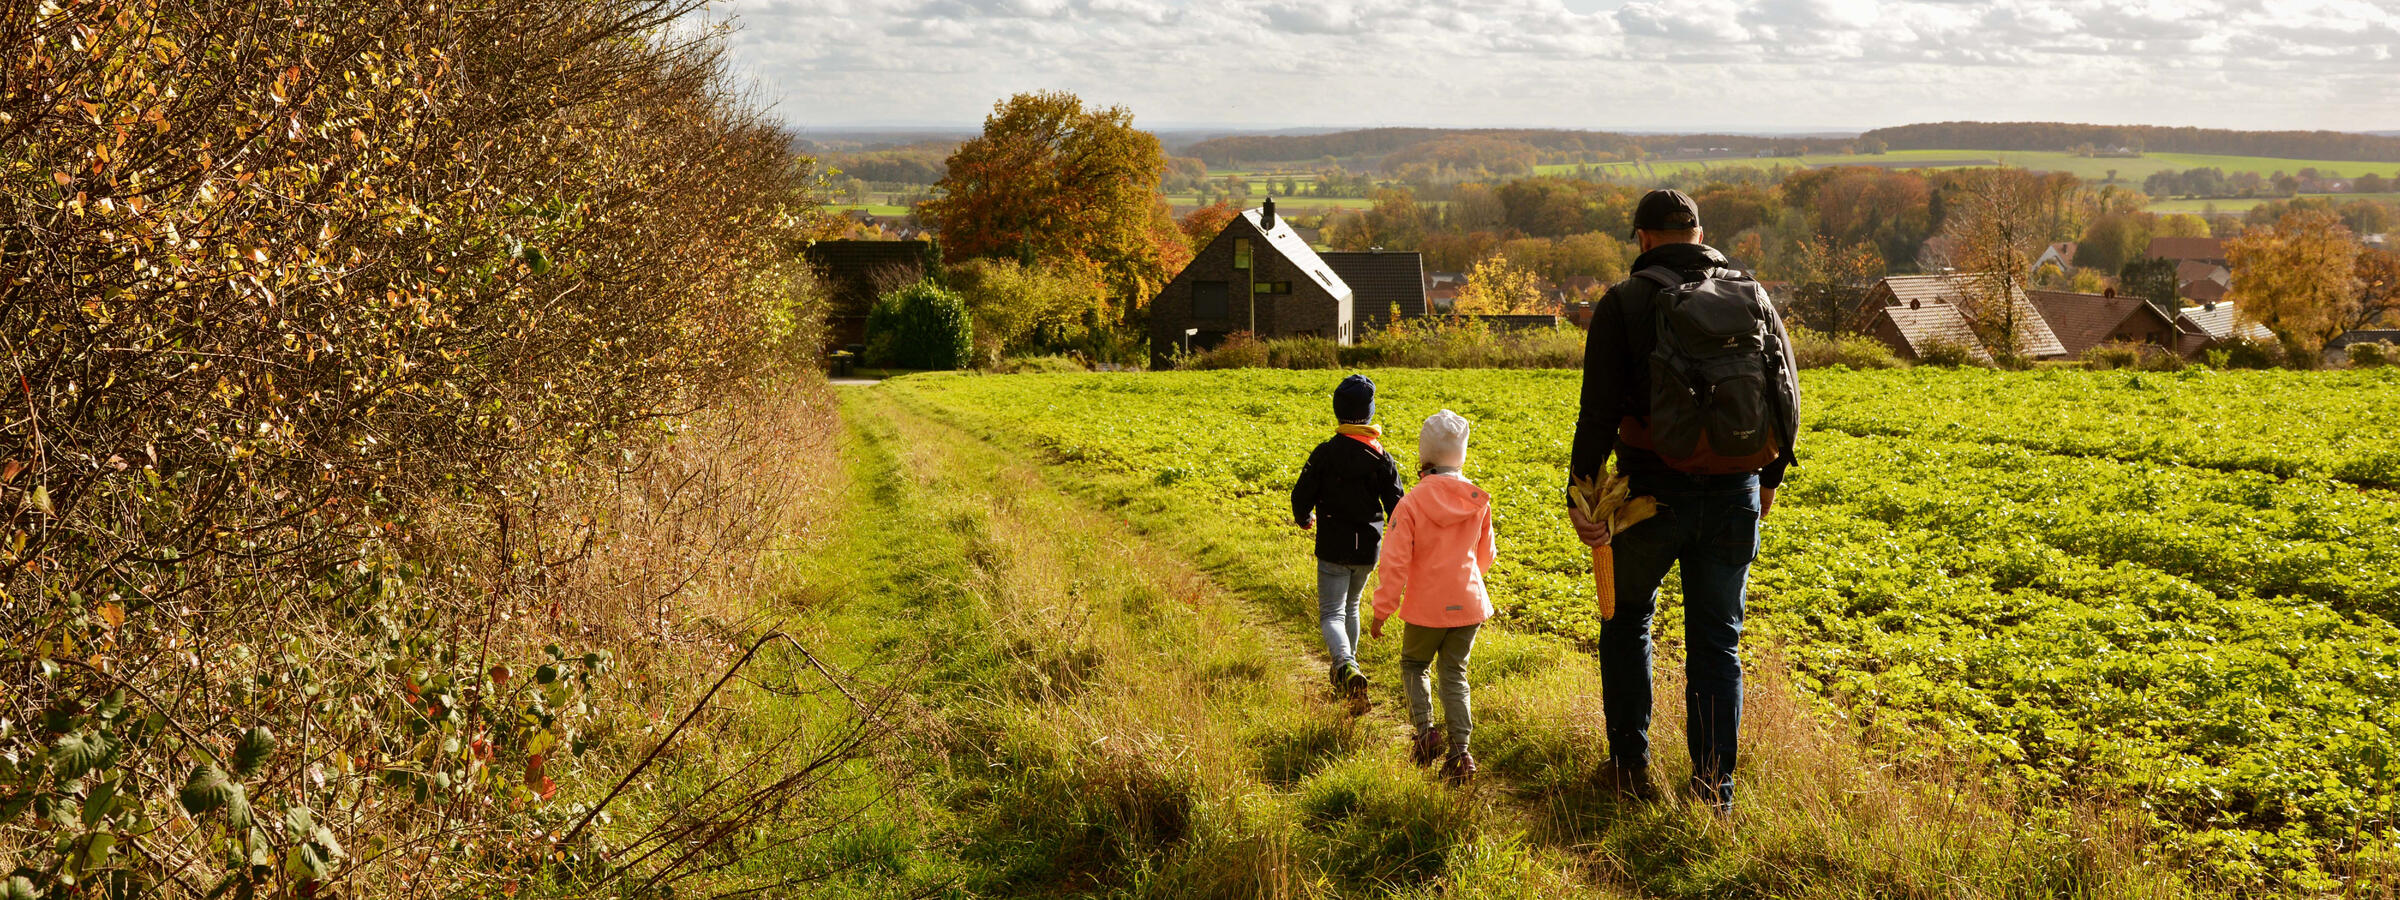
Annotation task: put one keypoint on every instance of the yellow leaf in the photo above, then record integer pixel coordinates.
(113, 614)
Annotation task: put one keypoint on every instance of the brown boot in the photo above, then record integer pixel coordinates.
(1425, 747)
(1628, 784)
(1459, 768)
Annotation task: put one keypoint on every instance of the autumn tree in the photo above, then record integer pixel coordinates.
(2002, 219)
(2298, 277)
(1499, 287)
(1051, 180)
(2379, 290)
(1202, 225)
(1832, 279)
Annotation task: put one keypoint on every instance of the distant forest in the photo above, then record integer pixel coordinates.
(1241, 150)
(2048, 136)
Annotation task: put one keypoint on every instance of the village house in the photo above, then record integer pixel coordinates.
(2202, 274)
(854, 273)
(2059, 256)
(1909, 312)
(1257, 275)
(2210, 324)
(1384, 281)
(2084, 321)
(2338, 349)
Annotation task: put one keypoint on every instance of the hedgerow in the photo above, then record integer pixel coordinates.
(344, 337)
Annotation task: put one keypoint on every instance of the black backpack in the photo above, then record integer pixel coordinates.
(1719, 402)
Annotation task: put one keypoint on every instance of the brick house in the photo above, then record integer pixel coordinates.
(1257, 275)
(1380, 281)
(2084, 321)
(855, 273)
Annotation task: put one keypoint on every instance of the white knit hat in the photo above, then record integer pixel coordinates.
(1443, 440)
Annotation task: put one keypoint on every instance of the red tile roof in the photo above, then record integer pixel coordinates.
(2084, 321)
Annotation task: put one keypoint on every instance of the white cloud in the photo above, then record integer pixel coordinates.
(1644, 64)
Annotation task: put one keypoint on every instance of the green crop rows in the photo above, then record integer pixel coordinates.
(2171, 593)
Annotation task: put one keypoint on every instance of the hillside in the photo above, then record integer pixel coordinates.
(2149, 138)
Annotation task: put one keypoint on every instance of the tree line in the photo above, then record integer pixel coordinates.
(2059, 136)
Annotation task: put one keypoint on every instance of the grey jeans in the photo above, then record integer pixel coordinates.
(1338, 589)
(1420, 647)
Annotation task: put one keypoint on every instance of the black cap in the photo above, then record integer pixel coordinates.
(1354, 400)
(1667, 210)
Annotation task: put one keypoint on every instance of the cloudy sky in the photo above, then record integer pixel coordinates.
(1667, 65)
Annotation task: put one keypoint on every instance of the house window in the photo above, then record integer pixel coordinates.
(1271, 287)
(1209, 300)
(1241, 253)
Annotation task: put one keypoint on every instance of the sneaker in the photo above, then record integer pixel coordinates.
(1353, 678)
(1333, 673)
(1426, 747)
(1629, 784)
(1459, 768)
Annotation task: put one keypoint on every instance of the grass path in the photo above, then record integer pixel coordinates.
(1819, 816)
(1094, 717)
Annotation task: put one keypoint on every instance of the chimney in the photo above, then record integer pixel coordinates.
(2110, 293)
(1916, 303)
(1266, 214)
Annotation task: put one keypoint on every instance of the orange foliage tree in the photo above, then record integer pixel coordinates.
(1050, 180)
(2298, 277)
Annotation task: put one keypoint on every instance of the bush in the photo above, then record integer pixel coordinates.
(1812, 349)
(1304, 353)
(2113, 356)
(921, 326)
(1947, 354)
(2373, 355)
(2244, 353)
(1240, 350)
(1040, 365)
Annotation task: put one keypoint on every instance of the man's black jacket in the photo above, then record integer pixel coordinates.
(1351, 487)
(1616, 366)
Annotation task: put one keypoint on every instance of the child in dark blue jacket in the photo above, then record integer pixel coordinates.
(1352, 485)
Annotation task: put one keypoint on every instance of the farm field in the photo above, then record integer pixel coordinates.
(2243, 204)
(2174, 594)
(2128, 169)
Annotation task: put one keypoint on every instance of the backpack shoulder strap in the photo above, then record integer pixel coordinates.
(1666, 277)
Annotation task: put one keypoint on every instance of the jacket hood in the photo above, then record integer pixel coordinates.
(1683, 258)
(1447, 500)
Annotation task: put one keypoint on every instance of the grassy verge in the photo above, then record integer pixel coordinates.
(1091, 716)
(1820, 815)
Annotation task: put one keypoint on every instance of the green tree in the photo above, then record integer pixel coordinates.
(1052, 180)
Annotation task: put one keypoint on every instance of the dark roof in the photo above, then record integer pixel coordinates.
(2181, 248)
(1930, 290)
(856, 272)
(1380, 280)
(1934, 322)
(2191, 270)
(2365, 336)
(2084, 321)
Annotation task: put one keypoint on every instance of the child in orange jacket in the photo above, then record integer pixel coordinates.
(1435, 553)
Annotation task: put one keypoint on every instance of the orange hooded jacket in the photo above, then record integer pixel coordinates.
(1434, 555)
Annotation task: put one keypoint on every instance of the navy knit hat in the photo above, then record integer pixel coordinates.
(1354, 400)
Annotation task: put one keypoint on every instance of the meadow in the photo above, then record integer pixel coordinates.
(2169, 595)
(2090, 168)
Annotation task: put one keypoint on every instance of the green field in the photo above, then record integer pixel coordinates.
(2241, 205)
(2172, 595)
(2128, 170)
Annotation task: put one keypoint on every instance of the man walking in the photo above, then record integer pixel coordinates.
(1688, 381)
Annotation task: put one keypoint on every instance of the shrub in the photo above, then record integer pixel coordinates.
(2245, 353)
(2373, 355)
(1240, 350)
(1947, 354)
(2113, 356)
(1304, 353)
(921, 326)
(1040, 365)
(359, 336)
(1812, 349)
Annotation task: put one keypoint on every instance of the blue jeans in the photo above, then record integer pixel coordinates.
(1338, 587)
(1709, 523)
